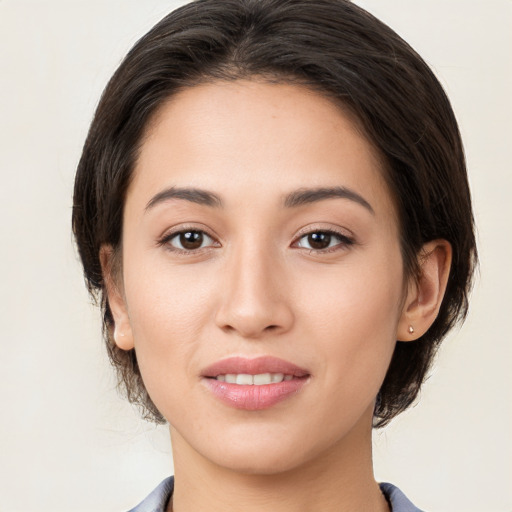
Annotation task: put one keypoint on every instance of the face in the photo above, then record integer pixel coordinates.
(262, 277)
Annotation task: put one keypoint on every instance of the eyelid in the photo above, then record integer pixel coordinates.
(315, 228)
(346, 237)
(170, 233)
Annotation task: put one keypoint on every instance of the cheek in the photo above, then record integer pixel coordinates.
(169, 309)
(163, 296)
(358, 296)
(352, 319)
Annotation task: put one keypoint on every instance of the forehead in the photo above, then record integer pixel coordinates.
(262, 136)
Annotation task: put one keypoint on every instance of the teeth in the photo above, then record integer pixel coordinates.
(262, 378)
(244, 379)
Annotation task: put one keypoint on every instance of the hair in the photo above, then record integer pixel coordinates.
(340, 51)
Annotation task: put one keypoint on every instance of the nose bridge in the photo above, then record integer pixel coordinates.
(253, 300)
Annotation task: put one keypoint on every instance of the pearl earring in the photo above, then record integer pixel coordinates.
(411, 329)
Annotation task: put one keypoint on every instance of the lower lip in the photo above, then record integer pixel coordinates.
(252, 397)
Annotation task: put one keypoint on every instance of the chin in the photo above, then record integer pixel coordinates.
(262, 452)
(267, 462)
(250, 451)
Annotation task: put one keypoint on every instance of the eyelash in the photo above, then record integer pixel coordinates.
(344, 241)
(166, 241)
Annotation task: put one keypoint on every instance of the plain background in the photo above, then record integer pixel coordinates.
(67, 441)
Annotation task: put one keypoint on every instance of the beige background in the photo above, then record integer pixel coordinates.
(67, 442)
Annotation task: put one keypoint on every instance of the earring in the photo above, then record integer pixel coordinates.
(411, 329)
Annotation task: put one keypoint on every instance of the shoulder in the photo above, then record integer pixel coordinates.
(158, 499)
(397, 499)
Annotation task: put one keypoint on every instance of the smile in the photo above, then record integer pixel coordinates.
(254, 384)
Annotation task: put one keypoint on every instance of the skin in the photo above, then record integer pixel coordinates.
(255, 287)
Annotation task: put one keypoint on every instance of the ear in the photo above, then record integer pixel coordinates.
(122, 335)
(425, 293)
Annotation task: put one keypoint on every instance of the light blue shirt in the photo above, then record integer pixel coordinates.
(158, 500)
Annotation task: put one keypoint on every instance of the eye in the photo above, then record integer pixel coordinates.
(322, 240)
(189, 240)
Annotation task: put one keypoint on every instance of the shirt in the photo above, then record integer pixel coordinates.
(158, 500)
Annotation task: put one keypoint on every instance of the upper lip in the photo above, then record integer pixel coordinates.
(253, 366)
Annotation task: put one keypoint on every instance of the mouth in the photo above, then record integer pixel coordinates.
(246, 379)
(254, 384)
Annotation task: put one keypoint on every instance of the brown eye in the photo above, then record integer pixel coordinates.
(190, 240)
(322, 240)
(319, 240)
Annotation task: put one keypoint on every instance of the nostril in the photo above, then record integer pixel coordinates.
(252, 319)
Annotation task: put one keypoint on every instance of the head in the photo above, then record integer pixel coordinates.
(341, 55)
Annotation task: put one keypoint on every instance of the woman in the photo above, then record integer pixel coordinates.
(272, 207)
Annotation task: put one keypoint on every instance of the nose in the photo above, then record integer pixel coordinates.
(254, 301)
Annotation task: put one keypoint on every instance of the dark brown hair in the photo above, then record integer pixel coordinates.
(344, 53)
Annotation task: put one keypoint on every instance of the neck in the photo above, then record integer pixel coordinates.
(340, 480)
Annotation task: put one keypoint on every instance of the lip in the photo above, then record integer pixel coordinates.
(252, 397)
(253, 366)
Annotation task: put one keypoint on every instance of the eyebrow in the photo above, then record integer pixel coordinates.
(311, 195)
(194, 195)
(296, 198)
